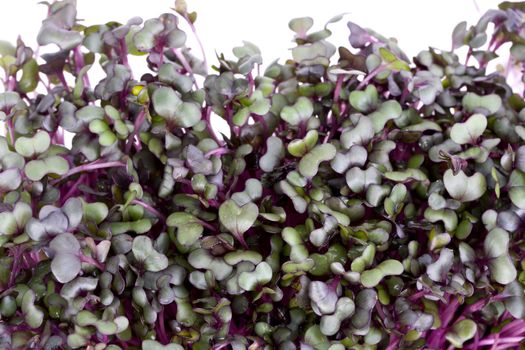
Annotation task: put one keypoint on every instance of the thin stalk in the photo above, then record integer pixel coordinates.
(370, 76)
(162, 330)
(15, 267)
(337, 90)
(89, 167)
(73, 188)
(11, 130)
(124, 55)
(138, 122)
(251, 84)
(217, 152)
(194, 30)
(469, 54)
(500, 341)
(9, 85)
(394, 341)
(507, 346)
(208, 225)
(186, 65)
(79, 59)
(149, 208)
(89, 260)
(209, 128)
(60, 76)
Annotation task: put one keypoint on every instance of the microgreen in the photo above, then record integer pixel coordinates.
(358, 199)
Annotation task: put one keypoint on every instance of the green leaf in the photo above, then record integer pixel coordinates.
(250, 280)
(464, 188)
(253, 190)
(189, 229)
(389, 267)
(449, 217)
(388, 110)
(31, 146)
(168, 74)
(36, 169)
(299, 112)
(515, 299)
(496, 243)
(386, 55)
(438, 270)
(461, 332)
(237, 219)
(65, 265)
(95, 212)
(323, 299)
(144, 252)
(502, 269)
(361, 134)
(29, 79)
(299, 147)
(359, 180)
(469, 131)
(33, 316)
(330, 324)
(7, 49)
(166, 102)
(10, 179)
(309, 164)
(168, 105)
(405, 175)
(50, 33)
(496, 247)
(364, 101)
(487, 105)
(274, 154)
(157, 30)
(301, 25)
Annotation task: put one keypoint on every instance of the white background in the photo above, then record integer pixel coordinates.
(223, 24)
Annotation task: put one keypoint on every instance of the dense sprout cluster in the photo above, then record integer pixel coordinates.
(361, 200)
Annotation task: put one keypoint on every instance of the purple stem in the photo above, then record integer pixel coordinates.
(209, 127)
(218, 152)
(251, 84)
(73, 188)
(185, 64)
(208, 225)
(370, 76)
(11, 131)
(500, 340)
(124, 54)
(394, 340)
(448, 313)
(9, 86)
(417, 295)
(241, 240)
(469, 54)
(79, 60)
(149, 208)
(514, 328)
(162, 331)
(15, 268)
(89, 260)
(138, 122)
(337, 90)
(89, 167)
(62, 79)
(194, 30)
